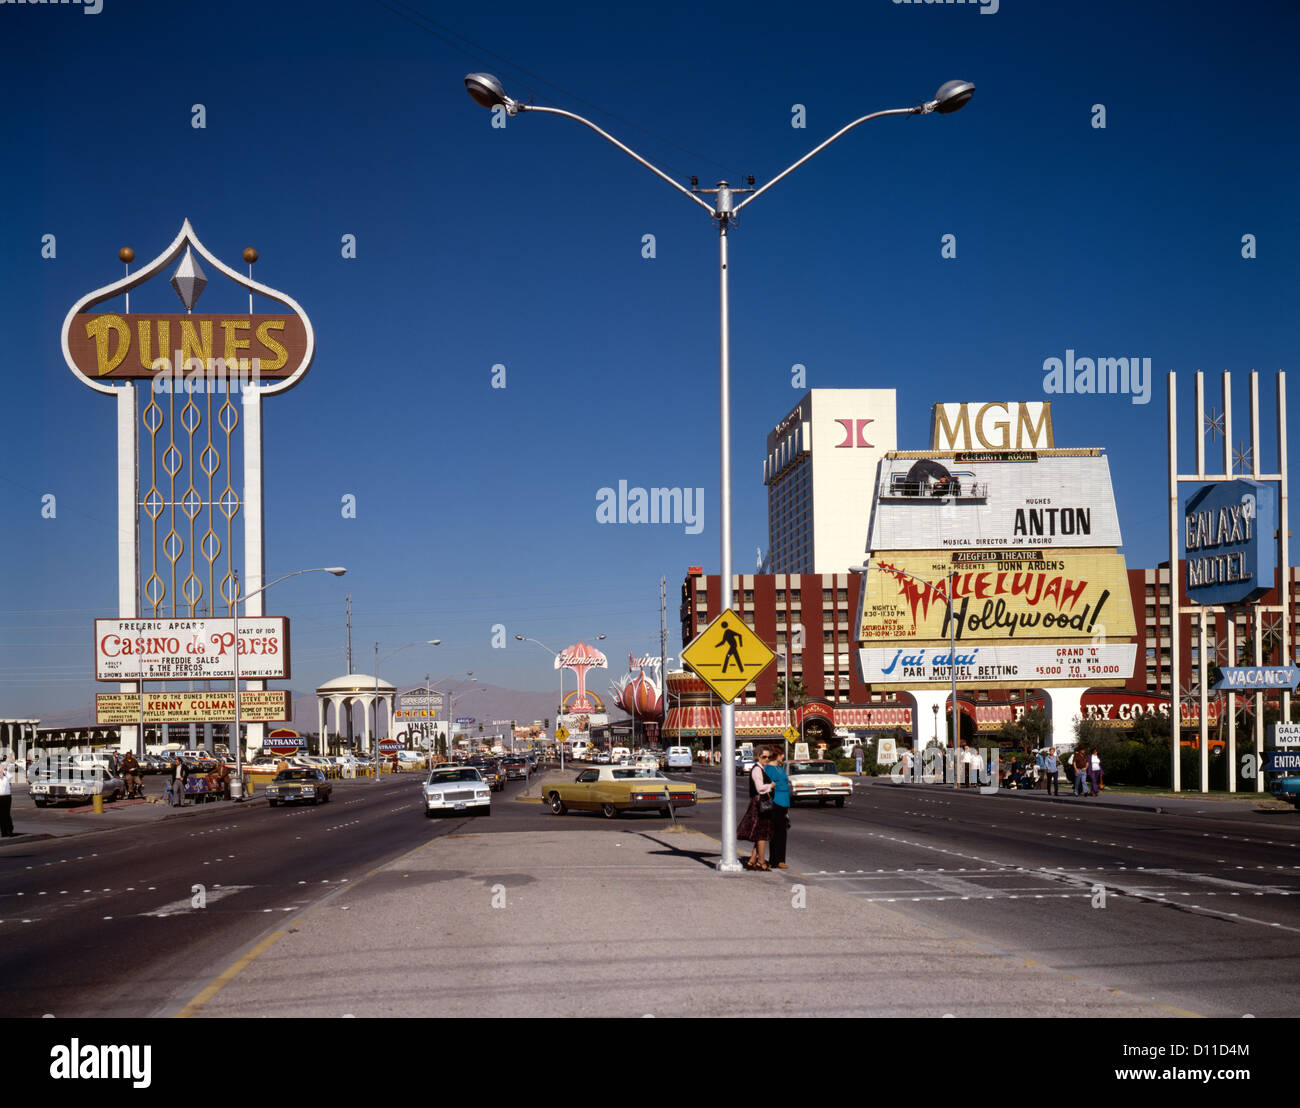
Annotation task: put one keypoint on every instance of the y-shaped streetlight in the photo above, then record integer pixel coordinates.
(490, 93)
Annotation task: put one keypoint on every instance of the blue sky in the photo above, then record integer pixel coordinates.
(522, 246)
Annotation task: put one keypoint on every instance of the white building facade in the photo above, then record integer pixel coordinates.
(820, 473)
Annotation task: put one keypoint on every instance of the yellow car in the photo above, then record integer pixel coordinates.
(610, 790)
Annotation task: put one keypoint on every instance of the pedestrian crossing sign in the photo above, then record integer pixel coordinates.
(728, 655)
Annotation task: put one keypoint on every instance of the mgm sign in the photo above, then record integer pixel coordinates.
(188, 389)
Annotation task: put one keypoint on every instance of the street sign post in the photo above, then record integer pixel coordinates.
(728, 655)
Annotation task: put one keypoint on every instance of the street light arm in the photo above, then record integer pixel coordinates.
(918, 110)
(335, 570)
(626, 150)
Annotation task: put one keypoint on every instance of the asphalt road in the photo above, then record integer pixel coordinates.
(1199, 912)
(104, 924)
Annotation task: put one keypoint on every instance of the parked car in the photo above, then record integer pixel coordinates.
(62, 782)
(299, 786)
(1286, 787)
(457, 789)
(819, 781)
(612, 790)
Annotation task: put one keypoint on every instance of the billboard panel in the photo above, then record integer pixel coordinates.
(998, 596)
(934, 501)
(953, 500)
(995, 666)
(190, 649)
(190, 707)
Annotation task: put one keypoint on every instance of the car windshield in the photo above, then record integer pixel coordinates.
(453, 775)
(812, 767)
(296, 775)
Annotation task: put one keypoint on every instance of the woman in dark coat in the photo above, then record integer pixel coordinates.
(755, 826)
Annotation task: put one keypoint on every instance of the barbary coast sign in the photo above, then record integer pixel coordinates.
(997, 596)
(938, 499)
(181, 649)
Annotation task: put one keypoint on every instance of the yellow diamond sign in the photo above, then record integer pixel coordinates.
(728, 655)
(791, 734)
(561, 734)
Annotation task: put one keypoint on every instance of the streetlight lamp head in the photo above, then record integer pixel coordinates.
(338, 571)
(486, 90)
(952, 96)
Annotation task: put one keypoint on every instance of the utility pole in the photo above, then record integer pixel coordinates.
(663, 655)
(349, 599)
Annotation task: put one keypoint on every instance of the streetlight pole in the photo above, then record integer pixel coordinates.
(487, 91)
(418, 642)
(560, 707)
(237, 785)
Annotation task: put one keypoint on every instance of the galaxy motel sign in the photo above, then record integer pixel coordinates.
(1228, 531)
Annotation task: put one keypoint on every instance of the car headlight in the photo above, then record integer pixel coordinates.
(434, 796)
(309, 790)
(481, 793)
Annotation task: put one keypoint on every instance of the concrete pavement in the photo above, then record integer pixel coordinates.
(634, 923)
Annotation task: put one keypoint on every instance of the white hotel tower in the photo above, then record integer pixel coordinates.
(820, 473)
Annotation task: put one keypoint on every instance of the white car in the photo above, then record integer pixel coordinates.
(679, 757)
(76, 785)
(457, 789)
(819, 781)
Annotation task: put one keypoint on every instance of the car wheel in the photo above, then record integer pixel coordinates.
(666, 813)
(39, 803)
(557, 805)
(428, 813)
(485, 811)
(608, 811)
(273, 803)
(839, 802)
(821, 803)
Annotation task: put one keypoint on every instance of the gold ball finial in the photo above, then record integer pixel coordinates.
(126, 254)
(250, 255)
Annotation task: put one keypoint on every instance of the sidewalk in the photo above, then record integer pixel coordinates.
(624, 924)
(1189, 804)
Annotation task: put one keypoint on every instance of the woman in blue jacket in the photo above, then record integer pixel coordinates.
(781, 797)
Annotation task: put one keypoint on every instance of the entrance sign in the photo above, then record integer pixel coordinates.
(389, 746)
(191, 707)
(728, 655)
(190, 649)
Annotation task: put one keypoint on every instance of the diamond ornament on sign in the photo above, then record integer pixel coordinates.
(189, 280)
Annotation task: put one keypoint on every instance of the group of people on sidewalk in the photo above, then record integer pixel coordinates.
(767, 819)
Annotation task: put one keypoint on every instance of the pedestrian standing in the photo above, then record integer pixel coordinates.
(1094, 773)
(857, 760)
(7, 772)
(178, 783)
(1050, 767)
(756, 823)
(1079, 763)
(781, 813)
